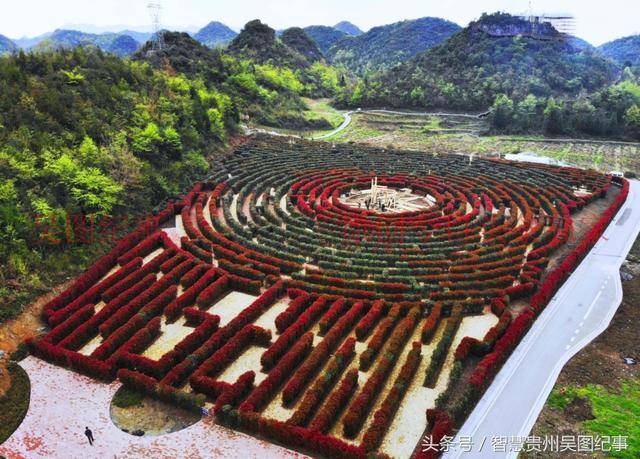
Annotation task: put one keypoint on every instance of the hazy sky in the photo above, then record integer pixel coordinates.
(597, 21)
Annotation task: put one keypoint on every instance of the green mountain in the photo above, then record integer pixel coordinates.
(297, 39)
(580, 43)
(118, 44)
(499, 54)
(140, 37)
(324, 36)
(624, 51)
(258, 42)
(386, 46)
(348, 28)
(184, 54)
(30, 42)
(215, 34)
(6, 45)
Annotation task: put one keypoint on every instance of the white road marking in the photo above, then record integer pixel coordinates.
(593, 303)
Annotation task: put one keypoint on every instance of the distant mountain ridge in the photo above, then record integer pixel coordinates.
(119, 44)
(7, 45)
(215, 34)
(348, 28)
(473, 67)
(624, 50)
(389, 45)
(324, 36)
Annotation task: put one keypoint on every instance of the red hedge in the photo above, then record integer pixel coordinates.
(338, 399)
(261, 395)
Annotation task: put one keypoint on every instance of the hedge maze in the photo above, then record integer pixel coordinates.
(352, 311)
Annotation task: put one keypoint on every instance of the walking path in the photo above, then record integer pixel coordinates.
(579, 312)
(63, 403)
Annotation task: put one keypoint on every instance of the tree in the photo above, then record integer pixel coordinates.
(553, 120)
(526, 114)
(502, 112)
(632, 121)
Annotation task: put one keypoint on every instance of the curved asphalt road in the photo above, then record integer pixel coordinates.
(580, 311)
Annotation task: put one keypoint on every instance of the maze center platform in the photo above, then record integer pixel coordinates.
(386, 200)
(271, 292)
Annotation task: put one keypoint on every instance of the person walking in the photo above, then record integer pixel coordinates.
(89, 435)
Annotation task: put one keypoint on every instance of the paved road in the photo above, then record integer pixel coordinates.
(580, 311)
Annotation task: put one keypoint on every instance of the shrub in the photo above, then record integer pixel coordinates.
(330, 410)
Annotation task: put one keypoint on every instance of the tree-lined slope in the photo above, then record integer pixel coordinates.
(297, 39)
(623, 50)
(496, 55)
(258, 41)
(6, 45)
(119, 44)
(386, 46)
(324, 36)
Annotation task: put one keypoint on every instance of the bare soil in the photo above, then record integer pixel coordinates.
(152, 417)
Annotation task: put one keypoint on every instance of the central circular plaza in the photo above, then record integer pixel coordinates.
(387, 200)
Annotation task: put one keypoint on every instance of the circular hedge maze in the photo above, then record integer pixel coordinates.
(298, 302)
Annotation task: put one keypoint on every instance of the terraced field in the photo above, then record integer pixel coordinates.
(267, 295)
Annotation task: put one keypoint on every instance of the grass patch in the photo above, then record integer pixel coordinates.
(616, 412)
(15, 403)
(126, 397)
(320, 109)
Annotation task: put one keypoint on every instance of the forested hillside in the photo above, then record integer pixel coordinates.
(625, 51)
(386, 46)
(298, 40)
(116, 43)
(6, 45)
(324, 36)
(86, 136)
(495, 55)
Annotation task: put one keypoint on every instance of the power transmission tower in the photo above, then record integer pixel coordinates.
(155, 11)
